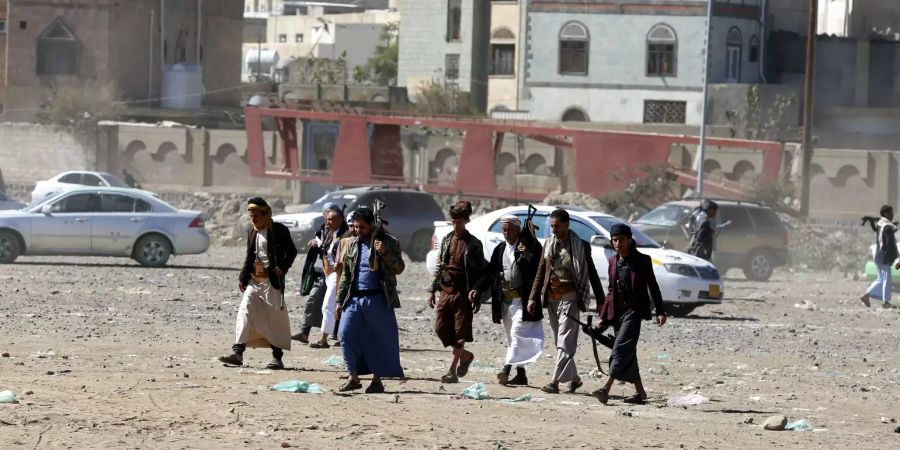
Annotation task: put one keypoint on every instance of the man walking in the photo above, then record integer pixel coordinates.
(312, 281)
(886, 256)
(704, 231)
(367, 299)
(565, 277)
(335, 228)
(510, 276)
(460, 265)
(632, 285)
(262, 319)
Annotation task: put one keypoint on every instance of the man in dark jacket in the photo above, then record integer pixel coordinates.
(262, 319)
(509, 276)
(312, 281)
(886, 255)
(460, 265)
(632, 285)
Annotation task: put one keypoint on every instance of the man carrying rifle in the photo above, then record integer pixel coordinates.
(632, 285)
(886, 255)
(367, 298)
(312, 281)
(509, 276)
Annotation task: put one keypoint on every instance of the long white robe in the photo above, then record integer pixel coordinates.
(526, 339)
(329, 305)
(262, 319)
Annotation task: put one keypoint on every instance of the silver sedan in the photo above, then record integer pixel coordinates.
(103, 221)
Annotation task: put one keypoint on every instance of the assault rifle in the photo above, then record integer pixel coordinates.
(376, 231)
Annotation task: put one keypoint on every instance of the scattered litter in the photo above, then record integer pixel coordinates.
(887, 420)
(333, 361)
(807, 305)
(299, 387)
(570, 403)
(245, 371)
(8, 397)
(521, 398)
(476, 391)
(755, 398)
(799, 425)
(663, 356)
(692, 399)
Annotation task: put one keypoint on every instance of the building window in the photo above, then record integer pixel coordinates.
(662, 52)
(573, 49)
(574, 115)
(23, 25)
(454, 19)
(733, 55)
(298, 38)
(661, 111)
(503, 59)
(2, 25)
(451, 62)
(282, 38)
(57, 51)
(754, 49)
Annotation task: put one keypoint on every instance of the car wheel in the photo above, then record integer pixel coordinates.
(152, 251)
(759, 266)
(680, 309)
(419, 246)
(10, 247)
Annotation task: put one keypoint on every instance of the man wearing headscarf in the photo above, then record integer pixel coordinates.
(335, 228)
(312, 280)
(367, 297)
(262, 319)
(509, 276)
(633, 290)
(886, 255)
(460, 266)
(565, 278)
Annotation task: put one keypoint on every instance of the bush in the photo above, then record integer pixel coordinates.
(80, 106)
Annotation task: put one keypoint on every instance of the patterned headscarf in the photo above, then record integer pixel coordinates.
(264, 221)
(512, 220)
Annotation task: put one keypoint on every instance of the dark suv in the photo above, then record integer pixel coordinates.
(755, 241)
(410, 215)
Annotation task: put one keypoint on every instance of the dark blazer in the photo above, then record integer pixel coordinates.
(541, 287)
(281, 254)
(528, 264)
(643, 285)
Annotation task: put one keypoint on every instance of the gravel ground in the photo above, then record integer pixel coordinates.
(106, 354)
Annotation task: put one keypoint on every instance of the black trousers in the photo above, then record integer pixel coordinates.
(623, 364)
(312, 312)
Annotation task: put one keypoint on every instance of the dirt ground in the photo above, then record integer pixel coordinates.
(106, 354)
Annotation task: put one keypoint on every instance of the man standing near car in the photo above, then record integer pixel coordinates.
(510, 276)
(460, 266)
(335, 229)
(566, 275)
(313, 275)
(704, 233)
(632, 286)
(262, 319)
(886, 255)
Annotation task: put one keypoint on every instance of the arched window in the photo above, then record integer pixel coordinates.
(503, 52)
(735, 43)
(574, 115)
(662, 51)
(502, 33)
(754, 49)
(57, 51)
(573, 49)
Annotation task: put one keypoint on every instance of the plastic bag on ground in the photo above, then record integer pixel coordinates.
(521, 398)
(691, 399)
(333, 361)
(300, 387)
(476, 391)
(799, 425)
(8, 397)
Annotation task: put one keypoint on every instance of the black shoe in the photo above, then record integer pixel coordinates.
(520, 379)
(503, 375)
(635, 399)
(302, 337)
(232, 360)
(351, 385)
(463, 367)
(376, 387)
(275, 364)
(574, 385)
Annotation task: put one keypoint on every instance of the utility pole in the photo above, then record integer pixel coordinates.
(808, 85)
(701, 152)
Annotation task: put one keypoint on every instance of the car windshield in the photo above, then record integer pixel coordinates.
(665, 216)
(335, 197)
(113, 180)
(641, 239)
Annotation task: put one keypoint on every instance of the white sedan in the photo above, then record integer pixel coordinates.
(45, 189)
(686, 282)
(103, 221)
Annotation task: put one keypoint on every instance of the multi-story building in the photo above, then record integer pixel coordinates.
(640, 61)
(859, 18)
(446, 41)
(504, 55)
(127, 44)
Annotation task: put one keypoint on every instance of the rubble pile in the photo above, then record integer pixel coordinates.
(842, 251)
(578, 199)
(226, 220)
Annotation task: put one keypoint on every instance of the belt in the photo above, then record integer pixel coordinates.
(510, 294)
(366, 292)
(559, 289)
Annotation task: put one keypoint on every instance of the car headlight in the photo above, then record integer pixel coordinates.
(681, 269)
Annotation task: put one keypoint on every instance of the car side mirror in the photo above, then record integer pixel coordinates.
(601, 241)
(46, 210)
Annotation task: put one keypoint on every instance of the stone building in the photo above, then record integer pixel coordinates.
(445, 41)
(127, 44)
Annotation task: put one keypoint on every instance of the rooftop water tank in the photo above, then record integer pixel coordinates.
(182, 86)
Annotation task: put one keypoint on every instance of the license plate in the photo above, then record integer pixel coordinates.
(714, 291)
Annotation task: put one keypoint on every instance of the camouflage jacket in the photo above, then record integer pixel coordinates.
(390, 265)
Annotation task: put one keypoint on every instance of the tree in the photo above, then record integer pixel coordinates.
(381, 69)
(81, 106)
(438, 97)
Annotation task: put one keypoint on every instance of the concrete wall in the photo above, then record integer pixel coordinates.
(32, 152)
(788, 15)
